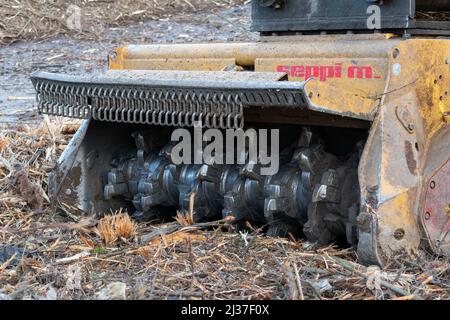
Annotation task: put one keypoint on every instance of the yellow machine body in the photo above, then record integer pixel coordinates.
(398, 88)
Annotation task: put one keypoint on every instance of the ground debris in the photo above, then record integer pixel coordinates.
(49, 294)
(76, 257)
(321, 286)
(32, 19)
(30, 192)
(113, 291)
(4, 296)
(10, 256)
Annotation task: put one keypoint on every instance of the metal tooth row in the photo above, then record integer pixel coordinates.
(273, 98)
(239, 191)
(138, 105)
(280, 200)
(245, 199)
(208, 184)
(157, 182)
(304, 196)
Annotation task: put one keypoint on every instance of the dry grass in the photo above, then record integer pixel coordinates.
(42, 19)
(106, 230)
(124, 227)
(65, 251)
(185, 219)
(116, 226)
(4, 142)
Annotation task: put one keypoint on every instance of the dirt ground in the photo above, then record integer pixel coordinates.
(60, 253)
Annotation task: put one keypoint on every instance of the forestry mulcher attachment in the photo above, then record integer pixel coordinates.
(359, 91)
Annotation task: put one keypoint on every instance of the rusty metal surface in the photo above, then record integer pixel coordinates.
(407, 144)
(334, 93)
(245, 53)
(185, 64)
(168, 77)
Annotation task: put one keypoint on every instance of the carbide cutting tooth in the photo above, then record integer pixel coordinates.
(233, 204)
(149, 201)
(324, 193)
(304, 140)
(306, 160)
(274, 205)
(274, 190)
(209, 173)
(113, 190)
(137, 215)
(330, 178)
(327, 190)
(252, 171)
(139, 141)
(115, 177)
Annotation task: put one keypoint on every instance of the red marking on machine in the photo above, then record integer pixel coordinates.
(325, 72)
(436, 212)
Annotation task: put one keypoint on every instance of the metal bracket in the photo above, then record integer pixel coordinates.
(405, 118)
